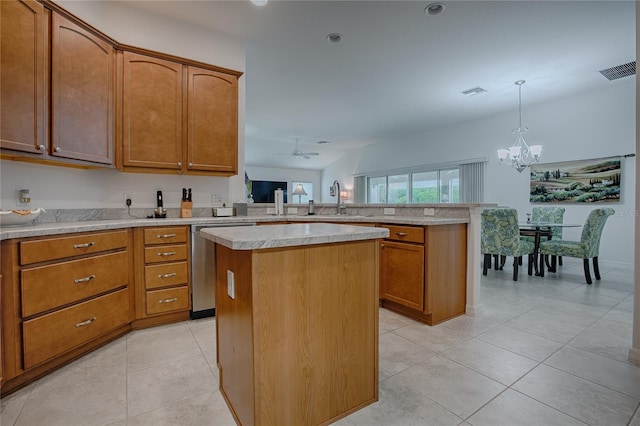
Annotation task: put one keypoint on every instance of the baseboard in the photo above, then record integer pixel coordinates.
(634, 356)
(473, 309)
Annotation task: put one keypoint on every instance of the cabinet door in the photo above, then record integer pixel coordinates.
(212, 132)
(152, 112)
(23, 72)
(82, 84)
(402, 274)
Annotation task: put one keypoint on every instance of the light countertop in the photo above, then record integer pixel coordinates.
(55, 228)
(300, 234)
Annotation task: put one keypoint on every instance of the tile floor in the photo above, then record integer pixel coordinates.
(546, 351)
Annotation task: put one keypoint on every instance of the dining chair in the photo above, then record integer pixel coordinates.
(587, 248)
(500, 235)
(548, 215)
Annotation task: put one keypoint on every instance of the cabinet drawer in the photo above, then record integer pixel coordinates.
(48, 287)
(55, 333)
(165, 275)
(61, 247)
(165, 235)
(165, 253)
(171, 299)
(411, 234)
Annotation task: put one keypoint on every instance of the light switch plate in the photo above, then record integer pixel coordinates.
(429, 211)
(231, 290)
(389, 211)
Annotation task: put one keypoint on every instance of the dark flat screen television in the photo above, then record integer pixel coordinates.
(262, 190)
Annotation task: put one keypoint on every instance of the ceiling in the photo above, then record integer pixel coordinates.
(399, 71)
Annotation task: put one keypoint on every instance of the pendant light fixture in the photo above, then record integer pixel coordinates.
(520, 155)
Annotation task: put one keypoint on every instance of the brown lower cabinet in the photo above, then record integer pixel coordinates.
(63, 296)
(423, 271)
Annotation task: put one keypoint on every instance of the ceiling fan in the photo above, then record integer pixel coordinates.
(298, 153)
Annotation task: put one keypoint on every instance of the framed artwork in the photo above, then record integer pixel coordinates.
(582, 181)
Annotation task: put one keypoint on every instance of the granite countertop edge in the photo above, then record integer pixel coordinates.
(59, 228)
(279, 236)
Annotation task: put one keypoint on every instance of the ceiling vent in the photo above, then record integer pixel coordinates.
(620, 71)
(474, 91)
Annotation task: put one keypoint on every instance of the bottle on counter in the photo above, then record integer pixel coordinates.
(311, 207)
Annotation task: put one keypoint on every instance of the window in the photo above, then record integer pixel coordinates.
(432, 184)
(301, 199)
(449, 186)
(424, 188)
(377, 192)
(398, 192)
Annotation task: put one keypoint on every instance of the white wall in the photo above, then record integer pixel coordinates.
(61, 187)
(289, 175)
(592, 125)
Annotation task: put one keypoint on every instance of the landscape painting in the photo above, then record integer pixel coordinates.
(582, 181)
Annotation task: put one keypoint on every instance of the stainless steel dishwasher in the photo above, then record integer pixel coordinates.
(203, 271)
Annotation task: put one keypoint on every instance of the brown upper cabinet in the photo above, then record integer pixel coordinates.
(82, 87)
(151, 112)
(71, 95)
(212, 125)
(78, 126)
(23, 76)
(178, 118)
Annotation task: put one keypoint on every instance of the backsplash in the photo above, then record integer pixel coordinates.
(73, 215)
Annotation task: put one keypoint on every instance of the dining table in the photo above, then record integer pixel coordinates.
(539, 230)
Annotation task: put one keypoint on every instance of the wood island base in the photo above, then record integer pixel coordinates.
(297, 342)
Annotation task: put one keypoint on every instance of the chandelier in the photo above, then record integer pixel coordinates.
(520, 155)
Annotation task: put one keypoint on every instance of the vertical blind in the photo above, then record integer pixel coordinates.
(472, 182)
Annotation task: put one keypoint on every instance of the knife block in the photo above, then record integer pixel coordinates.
(186, 209)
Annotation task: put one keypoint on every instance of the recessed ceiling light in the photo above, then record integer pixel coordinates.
(334, 37)
(259, 2)
(323, 142)
(434, 9)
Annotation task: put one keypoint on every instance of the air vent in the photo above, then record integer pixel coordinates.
(474, 91)
(620, 71)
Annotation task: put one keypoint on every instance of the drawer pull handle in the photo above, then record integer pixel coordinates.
(173, 299)
(84, 280)
(169, 275)
(401, 234)
(87, 322)
(166, 236)
(167, 253)
(83, 245)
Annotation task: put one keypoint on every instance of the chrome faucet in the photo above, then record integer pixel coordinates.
(335, 191)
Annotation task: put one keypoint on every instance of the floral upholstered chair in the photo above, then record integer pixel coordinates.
(548, 215)
(500, 235)
(587, 248)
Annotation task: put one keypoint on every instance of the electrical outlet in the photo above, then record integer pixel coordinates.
(216, 198)
(231, 290)
(389, 211)
(429, 211)
(24, 198)
(127, 196)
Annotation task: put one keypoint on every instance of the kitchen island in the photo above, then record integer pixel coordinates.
(297, 321)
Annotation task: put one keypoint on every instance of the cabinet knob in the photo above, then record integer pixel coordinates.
(57, 149)
(41, 147)
(179, 164)
(190, 165)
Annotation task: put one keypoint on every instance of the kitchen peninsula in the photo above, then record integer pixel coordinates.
(297, 306)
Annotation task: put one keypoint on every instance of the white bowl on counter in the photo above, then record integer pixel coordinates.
(19, 217)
